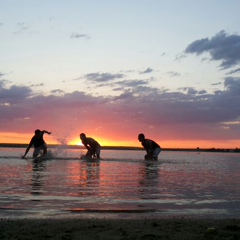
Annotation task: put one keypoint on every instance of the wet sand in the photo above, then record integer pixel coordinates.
(174, 228)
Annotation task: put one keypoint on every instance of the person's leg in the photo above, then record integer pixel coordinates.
(148, 157)
(44, 148)
(89, 154)
(36, 151)
(98, 150)
(156, 153)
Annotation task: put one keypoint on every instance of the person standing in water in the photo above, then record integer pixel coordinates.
(91, 145)
(38, 143)
(151, 147)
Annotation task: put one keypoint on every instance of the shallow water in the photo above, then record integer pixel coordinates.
(121, 185)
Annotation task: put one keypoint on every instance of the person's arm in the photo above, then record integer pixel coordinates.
(88, 148)
(145, 146)
(27, 149)
(86, 145)
(149, 147)
(44, 131)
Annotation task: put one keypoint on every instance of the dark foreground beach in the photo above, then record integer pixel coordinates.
(174, 228)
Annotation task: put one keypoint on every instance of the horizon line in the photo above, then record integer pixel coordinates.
(127, 147)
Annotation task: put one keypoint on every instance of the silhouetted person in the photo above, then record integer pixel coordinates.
(151, 147)
(92, 146)
(38, 143)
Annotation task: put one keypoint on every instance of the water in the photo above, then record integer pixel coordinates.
(122, 185)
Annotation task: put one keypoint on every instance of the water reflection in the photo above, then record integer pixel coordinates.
(38, 169)
(89, 176)
(149, 179)
(179, 183)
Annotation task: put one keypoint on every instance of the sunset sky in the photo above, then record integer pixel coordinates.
(115, 68)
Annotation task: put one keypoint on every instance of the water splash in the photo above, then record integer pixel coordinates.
(62, 148)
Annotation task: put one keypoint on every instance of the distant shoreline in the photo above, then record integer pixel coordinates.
(23, 145)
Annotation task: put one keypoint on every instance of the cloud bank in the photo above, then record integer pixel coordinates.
(221, 47)
(184, 114)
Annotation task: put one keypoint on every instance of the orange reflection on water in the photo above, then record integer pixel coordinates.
(82, 176)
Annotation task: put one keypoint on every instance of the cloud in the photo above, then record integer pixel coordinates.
(216, 84)
(22, 28)
(148, 70)
(221, 47)
(78, 35)
(191, 91)
(138, 107)
(103, 77)
(2, 74)
(37, 85)
(234, 71)
(13, 93)
(131, 83)
(57, 91)
(202, 92)
(232, 85)
(173, 74)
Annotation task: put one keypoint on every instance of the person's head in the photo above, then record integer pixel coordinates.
(37, 132)
(141, 137)
(82, 136)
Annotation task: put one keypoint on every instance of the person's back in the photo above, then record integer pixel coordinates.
(37, 140)
(91, 142)
(148, 143)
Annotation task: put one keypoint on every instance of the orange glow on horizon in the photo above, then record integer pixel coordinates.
(25, 139)
(107, 142)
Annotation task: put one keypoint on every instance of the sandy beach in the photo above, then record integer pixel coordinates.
(174, 228)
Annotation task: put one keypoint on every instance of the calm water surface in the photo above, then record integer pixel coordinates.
(121, 185)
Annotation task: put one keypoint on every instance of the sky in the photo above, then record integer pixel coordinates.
(113, 69)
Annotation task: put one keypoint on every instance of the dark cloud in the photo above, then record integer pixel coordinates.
(13, 93)
(123, 96)
(180, 115)
(148, 70)
(131, 83)
(193, 91)
(234, 71)
(202, 92)
(103, 77)
(216, 84)
(232, 85)
(222, 47)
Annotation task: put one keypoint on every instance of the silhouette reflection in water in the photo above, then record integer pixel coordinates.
(89, 177)
(38, 169)
(149, 179)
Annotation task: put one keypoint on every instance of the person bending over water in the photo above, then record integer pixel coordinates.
(38, 143)
(151, 147)
(92, 146)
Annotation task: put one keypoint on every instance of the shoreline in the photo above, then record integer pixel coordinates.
(115, 229)
(24, 145)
